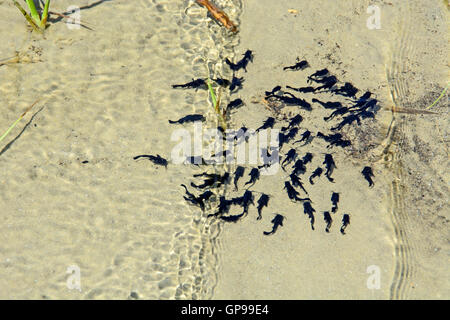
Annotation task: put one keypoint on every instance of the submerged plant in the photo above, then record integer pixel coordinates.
(38, 22)
(17, 121)
(216, 103)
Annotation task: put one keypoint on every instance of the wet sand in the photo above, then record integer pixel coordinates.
(106, 97)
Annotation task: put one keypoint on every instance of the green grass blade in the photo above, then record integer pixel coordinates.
(45, 14)
(439, 98)
(27, 16)
(211, 91)
(33, 11)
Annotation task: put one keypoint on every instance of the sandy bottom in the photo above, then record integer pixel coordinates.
(105, 97)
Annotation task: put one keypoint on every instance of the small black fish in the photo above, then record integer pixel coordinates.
(236, 83)
(328, 220)
(316, 173)
(301, 65)
(194, 84)
(309, 210)
(318, 74)
(328, 105)
(272, 92)
(368, 174)
(262, 202)
(302, 89)
(235, 104)
(299, 167)
(293, 122)
(345, 222)
(291, 134)
(307, 158)
(277, 221)
(292, 193)
(296, 182)
(330, 166)
(245, 201)
(212, 179)
(239, 173)
(267, 124)
(347, 90)
(328, 83)
(338, 112)
(155, 159)
(233, 218)
(241, 64)
(224, 206)
(222, 82)
(290, 156)
(348, 120)
(305, 137)
(189, 118)
(289, 99)
(363, 99)
(334, 201)
(334, 139)
(254, 176)
(199, 201)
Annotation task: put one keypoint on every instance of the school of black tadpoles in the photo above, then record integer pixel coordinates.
(294, 164)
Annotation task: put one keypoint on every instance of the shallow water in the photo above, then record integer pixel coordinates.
(106, 97)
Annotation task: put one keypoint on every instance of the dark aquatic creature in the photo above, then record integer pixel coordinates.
(254, 176)
(299, 167)
(334, 139)
(289, 99)
(269, 158)
(362, 100)
(368, 174)
(277, 221)
(330, 166)
(200, 200)
(328, 220)
(328, 83)
(292, 193)
(155, 159)
(242, 134)
(291, 134)
(222, 82)
(309, 210)
(262, 202)
(347, 90)
(194, 84)
(338, 112)
(334, 201)
(267, 124)
(239, 173)
(235, 104)
(316, 173)
(241, 64)
(301, 65)
(198, 160)
(236, 83)
(211, 180)
(302, 89)
(318, 74)
(345, 222)
(245, 201)
(233, 218)
(329, 104)
(306, 136)
(224, 206)
(296, 182)
(348, 120)
(290, 156)
(293, 122)
(307, 158)
(189, 118)
(275, 89)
